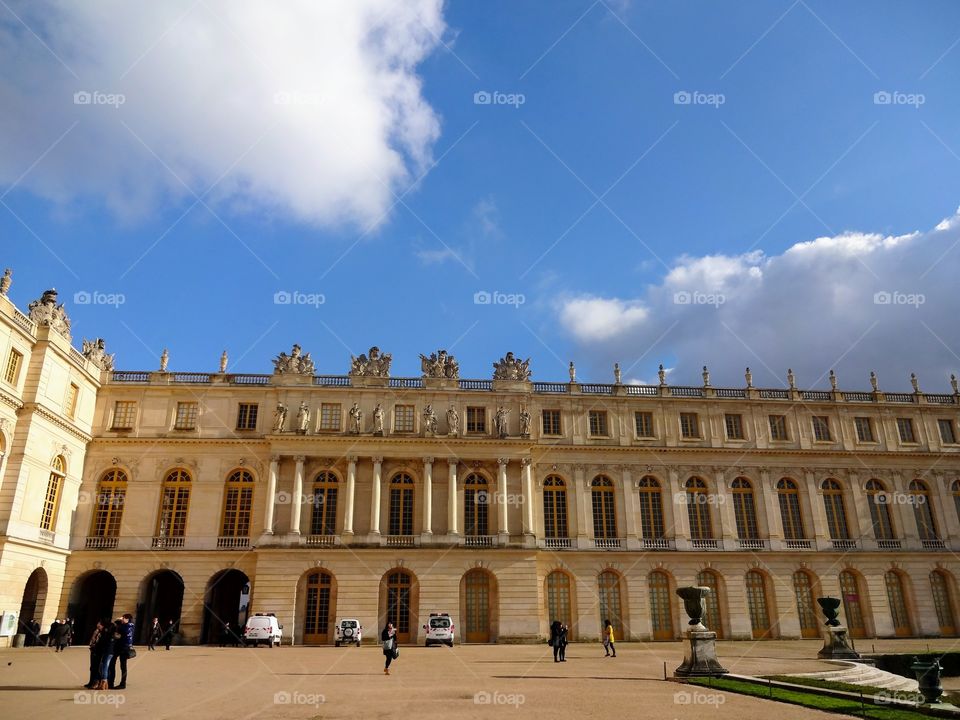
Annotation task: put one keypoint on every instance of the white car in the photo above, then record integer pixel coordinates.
(439, 630)
(348, 630)
(262, 628)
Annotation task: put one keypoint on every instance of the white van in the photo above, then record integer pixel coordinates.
(262, 628)
(439, 630)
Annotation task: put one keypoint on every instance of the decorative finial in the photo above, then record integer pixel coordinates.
(617, 377)
(164, 359)
(706, 377)
(573, 372)
(749, 377)
(874, 383)
(6, 281)
(833, 380)
(223, 362)
(662, 374)
(791, 380)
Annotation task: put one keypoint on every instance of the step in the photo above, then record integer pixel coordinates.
(861, 674)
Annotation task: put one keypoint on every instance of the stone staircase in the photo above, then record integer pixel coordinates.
(861, 674)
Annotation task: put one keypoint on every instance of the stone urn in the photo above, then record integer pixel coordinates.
(928, 679)
(693, 603)
(830, 607)
(700, 658)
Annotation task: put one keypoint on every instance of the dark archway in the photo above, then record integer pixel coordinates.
(91, 599)
(34, 599)
(161, 596)
(226, 600)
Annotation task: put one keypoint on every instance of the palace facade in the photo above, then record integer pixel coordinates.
(200, 496)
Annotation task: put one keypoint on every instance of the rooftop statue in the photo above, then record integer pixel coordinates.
(510, 368)
(95, 352)
(294, 364)
(440, 365)
(6, 281)
(45, 311)
(376, 364)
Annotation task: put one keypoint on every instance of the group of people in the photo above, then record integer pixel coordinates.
(559, 640)
(111, 643)
(59, 636)
(160, 634)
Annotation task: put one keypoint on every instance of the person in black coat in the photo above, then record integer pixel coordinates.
(388, 640)
(155, 634)
(555, 628)
(94, 658)
(63, 636)
(52, 634)
(168, 633)
(564, 633)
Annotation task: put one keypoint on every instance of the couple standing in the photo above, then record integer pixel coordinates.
(558, 640)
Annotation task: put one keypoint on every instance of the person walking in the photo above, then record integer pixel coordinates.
(154, 636)
(608, 639)
(52, 633)
(122, 653)
(554, 641)
(388, 639)
(564, 633)
(168, 634)
(95, 658)
(62, 636)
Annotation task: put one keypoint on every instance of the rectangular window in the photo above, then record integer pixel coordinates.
(644, 423)
(330, 416)
(778, 427)
(476, 420)
(864, 429)
(551, 422)
(689, 425)
(598, 423)
(948, 433)
(70, 406)
(403, 418)
(905, 428)
(12, 371)
(734, 424)
(821, 428)
(247, 416)
(124, 413)
(186, 416)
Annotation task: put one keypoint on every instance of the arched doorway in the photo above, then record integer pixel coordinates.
(91, 599)
(611, 604)
(478, 606)
(559, 603)
(399, 604)
(161, 597)
(712, 617)
(940, 587)
(852, 606)
(807, 614)
(757, 605)
(896, 598)
(661, 611)
(320, 610)
(225, 601)
(34, 598)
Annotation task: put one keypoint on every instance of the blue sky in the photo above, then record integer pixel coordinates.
(597, 198)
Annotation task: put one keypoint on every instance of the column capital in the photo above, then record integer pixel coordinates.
(453, 461)
(300, 459)
(526, 462)
(377, 459)
(352, 458)
(428, 460)
(502, 461)
(275, 458)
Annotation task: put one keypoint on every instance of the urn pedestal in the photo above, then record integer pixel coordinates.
(700, 658)
(836, 646)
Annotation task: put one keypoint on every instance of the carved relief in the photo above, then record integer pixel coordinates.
(46, 313)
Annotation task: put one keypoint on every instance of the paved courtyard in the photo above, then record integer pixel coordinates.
(467, 681)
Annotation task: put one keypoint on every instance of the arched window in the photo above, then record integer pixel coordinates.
(757, 605)
(323, 516)
(923, 510)
(711, 616)
(651, 508)
(174, 504)
(604, 508)
(878, 501)
(898, 605)
(554, 508)
(558, 598)
(401, 505)
(943, 602)
(836, 512)
(51, 499)
(789, 498)
(111, 495)
(661, 618)
(316, 626)
(611, 607)
(806, 612)
(237, 505)
(399, 586)
(852, 607)
(477, 618)
(698, 509)
(476, 503)
(744, 509)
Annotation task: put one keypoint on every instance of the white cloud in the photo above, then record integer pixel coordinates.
(313, 110)
(855, 302)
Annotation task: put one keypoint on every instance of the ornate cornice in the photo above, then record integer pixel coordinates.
(49, 415)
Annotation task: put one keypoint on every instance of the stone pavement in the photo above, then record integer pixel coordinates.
(467, 681)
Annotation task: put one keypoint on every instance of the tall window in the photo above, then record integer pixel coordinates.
(943, 602)
(598, 423)
(821, 428)
(757, 606)
(51, 499)
(644, 424)
(897, 603)
(247, 416)
(604, 508)
(789, 498)
(111, 495)
(879, 503)
(698, 509)
(905, 429)
(955, 490)
(11, 372)
(476, 503)
(330, 416)
(744, 509)
(70, 405)
(124, 414)
(554, 508)
(403, 418)
(551, 422)
(661, 616)
(711, 603)
(174, 504)
(836, 512)
(852, 608)
(734, 425)
(476, 419)
(317, 617)
(608, 593)
(651, 508)
(186, 416)
(948, 433)
(323, 517)
(923, 510)
(237, 505)
(401, 505)
(803, 592)
(558, 598)
(864, 429)
(778, 427)
(689, 425)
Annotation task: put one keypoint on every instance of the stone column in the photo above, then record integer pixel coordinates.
(681, 523)
(728, 520)
(502, 491)
(427, 496)
(375, 502)
(629, 506)
(580, 500)
(941, 488)
(453, 527)
(818, 514)
(297, 499)
(527, 465)
(905, 514)
(862, 511)
(271, 495)
(351, 491)
(771, 509)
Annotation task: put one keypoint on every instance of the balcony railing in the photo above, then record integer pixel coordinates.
(889, 544)
(843, 544)
(406, 382)
(326, 541)
(476, 384)
(858, 397)
(751, 543)
(95, 542)
(133, 376)
(167, 543)
(608, 543)
(655, 543)
(546, 387)
(250, 379)
(331, 381)
(479, 541)
(798, 544)
(596, 389)
(399, 540)
(681, 391)
(233, 543)
(816, 395)
(642, 389)
(899, 397)
(47, 536)
(191, 377)
(934, 544)
(731, 393)
(775, 394)
(705, 544)
(558, 543)
(941, 399)
(23, 321)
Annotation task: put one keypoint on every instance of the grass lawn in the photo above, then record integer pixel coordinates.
(846, 687)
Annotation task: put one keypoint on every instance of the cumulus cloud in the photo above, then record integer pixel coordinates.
(854, 302)
(313, 110)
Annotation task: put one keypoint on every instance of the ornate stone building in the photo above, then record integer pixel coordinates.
(505, 502)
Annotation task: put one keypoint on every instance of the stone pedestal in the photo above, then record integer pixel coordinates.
(836, 646)
(700, 658)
